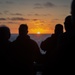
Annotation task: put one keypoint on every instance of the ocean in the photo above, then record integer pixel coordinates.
(37, 37)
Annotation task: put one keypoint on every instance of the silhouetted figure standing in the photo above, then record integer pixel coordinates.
(49, 45)
(66, 47)
(25, 51)
(4, 49)
(73, 12)
(73, 24)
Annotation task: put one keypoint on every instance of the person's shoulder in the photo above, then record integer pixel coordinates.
(33, 41)
(49, 38)
(14, 42)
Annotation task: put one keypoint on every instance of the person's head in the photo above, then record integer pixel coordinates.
(4, 32)
(58, 29)
(73, 12)
(73, 7)
(23, 29)
(68, 23)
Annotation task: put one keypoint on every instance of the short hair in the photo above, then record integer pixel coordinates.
(68, 22)
(4, 32)
(23, 29)
(73, 13)
(23, 26)
(58, 28)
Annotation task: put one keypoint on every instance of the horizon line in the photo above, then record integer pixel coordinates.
(35, 33)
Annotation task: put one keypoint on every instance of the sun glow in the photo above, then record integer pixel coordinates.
(38, 32)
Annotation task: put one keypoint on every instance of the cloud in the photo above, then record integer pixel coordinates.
(42, 14)
(17, 18)
(55, 20)
(6, 12)
(9, 2)
(3, 19)
(36, 14)
(42, 5)
(0, 13)
(16, 14)
(9, 23)
(38, 6)
(6, 2)
(13, 22)
(35, 19)
(49, 4)
(14, 19)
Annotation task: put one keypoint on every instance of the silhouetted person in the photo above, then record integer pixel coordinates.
(73, 12)
(66, 47)
(49, 45)
(25, 51)
(73, 41)
(4, 49)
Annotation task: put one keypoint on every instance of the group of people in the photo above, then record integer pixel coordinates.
(23, 54)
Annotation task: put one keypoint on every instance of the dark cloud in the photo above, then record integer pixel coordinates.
(42, 14)
(39, 14)
(0, 13)
(35, 19)
(3, 19)
(33, 14)
(16, 14)
(17, 18)
(42, 5)
(49, 4)
(13, 22)
(9, 2)
(14, 19)
(6, 12)
(38, 6)
(9, 22)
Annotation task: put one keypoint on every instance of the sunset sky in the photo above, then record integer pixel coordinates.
(41, 16)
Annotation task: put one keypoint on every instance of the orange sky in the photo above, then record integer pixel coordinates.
(40, 15)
